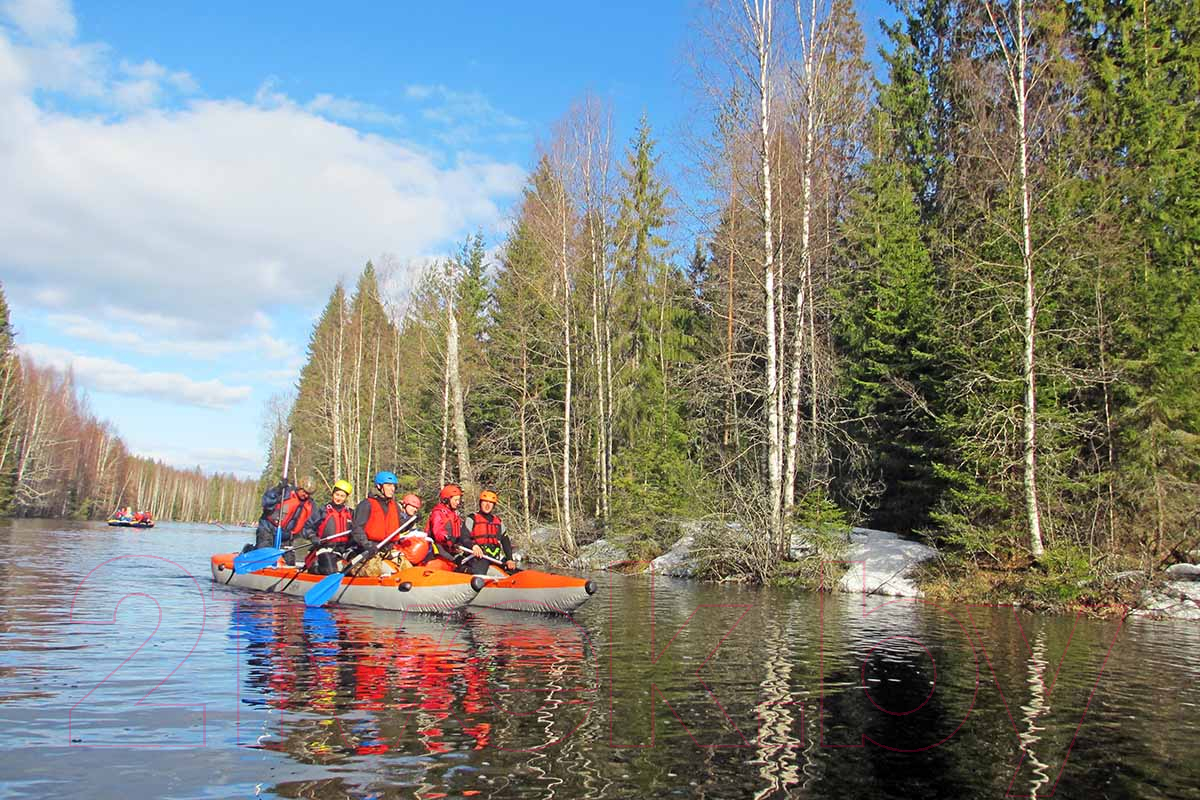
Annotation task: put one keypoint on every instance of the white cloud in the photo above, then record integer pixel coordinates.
(348, 110)
(259, 345)
(210, 210)
(242, 463)
(41, 20)
(465, 117)
(107, 375)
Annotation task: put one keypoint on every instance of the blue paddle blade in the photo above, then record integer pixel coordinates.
(256, 559)
(320, 594)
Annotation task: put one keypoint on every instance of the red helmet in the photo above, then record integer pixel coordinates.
(410, 499)
(450, 490)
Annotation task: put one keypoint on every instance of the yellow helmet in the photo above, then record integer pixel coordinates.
(489, 495)
(345, 486)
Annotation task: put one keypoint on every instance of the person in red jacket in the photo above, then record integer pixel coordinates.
(329, 531)
(445, 526)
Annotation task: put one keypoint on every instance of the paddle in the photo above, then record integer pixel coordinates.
(471, 555)
(265, 555)
(320, 594)
(287, 454)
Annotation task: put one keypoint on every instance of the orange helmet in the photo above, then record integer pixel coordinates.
(489, 495)
(410, 499)
(450, 490)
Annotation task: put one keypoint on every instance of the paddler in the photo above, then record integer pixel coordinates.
(415, 547)
(375, 519)
(485, 530)
(329, 530)
(294, 510)
(445, 526)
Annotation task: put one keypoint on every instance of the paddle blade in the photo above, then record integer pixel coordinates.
(319, 595)
(256, 559)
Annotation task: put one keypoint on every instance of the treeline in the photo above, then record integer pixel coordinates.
(58, 460)
(959, 299)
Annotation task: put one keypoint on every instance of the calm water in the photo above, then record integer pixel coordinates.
(127, 673)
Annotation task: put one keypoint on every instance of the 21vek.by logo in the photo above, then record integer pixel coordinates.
(640, 685)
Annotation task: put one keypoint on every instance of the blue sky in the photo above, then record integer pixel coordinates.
(186, 181)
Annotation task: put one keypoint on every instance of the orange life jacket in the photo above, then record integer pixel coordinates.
(485, 529)
(382, 523)
(295, 513)
(335, 529)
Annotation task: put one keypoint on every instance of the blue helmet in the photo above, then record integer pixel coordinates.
(385, 477)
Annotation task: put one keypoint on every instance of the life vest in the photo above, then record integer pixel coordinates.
(335, 529)
(435, 526)
(485, 531)
(382, 523)
(295, 513)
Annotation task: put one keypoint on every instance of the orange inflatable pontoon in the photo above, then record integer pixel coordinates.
(422, 589)
(527, 590)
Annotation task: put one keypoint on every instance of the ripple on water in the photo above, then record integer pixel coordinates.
(663, 688)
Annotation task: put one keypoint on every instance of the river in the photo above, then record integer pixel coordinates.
(127, 672)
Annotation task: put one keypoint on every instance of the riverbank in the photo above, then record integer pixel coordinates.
(866, 561)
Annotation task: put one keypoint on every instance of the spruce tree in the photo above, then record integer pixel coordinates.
(1143, 114)
(892, 343)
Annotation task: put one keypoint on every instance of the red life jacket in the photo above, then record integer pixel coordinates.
(295, 513)
(382, 523)
(435, 526)
(485, 529)
(335, 529)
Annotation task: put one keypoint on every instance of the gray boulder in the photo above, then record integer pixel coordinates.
(1174, 600)
(676, 562)
(598, 555)
(1184, 572)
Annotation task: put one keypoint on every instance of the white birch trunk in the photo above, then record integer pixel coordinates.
(445, 420)
(1017, 57)
(761, 20)
(461, 445)
(567, 534)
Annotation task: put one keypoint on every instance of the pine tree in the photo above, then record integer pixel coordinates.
(322, 406)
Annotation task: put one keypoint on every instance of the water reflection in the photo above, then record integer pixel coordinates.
(756, 693)
(421, 691)
(1031, 711)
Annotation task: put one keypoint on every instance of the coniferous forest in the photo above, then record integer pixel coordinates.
(955, 296)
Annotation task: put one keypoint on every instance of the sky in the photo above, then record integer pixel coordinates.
(184, 183)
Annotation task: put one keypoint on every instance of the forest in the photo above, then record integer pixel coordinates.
(955, 297)
(57, 459)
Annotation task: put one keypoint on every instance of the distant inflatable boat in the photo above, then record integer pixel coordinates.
(121, 523)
